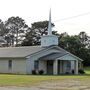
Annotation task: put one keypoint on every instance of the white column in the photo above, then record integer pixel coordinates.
(42, 65)
(55, 67)
(72, 65)
(76, 67)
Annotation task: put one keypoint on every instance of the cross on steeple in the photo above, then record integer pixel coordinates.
(49, 40)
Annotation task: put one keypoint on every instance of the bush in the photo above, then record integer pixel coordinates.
(67, 72)
(73, 71)
(34, 72)
(41, 72)
(81, 71)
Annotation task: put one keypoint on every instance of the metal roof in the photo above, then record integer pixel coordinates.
(19, 51)
(53, 56)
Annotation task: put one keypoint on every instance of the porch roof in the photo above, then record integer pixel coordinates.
(52, 56)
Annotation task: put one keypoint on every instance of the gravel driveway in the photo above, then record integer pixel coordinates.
(20, 88)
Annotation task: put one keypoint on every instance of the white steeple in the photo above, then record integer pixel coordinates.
(49, 24)
(49, 40)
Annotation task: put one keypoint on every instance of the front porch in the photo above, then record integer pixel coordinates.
(57, 67)
(58, 63)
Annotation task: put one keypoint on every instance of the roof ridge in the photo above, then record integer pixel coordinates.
(18, 47)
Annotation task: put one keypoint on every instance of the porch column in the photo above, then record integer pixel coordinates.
(76, 67)
(72, 65)
(55, 67)
(42, 65)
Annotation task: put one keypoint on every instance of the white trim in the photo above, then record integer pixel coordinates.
(43, 50)
(76, 58)
(52, 47)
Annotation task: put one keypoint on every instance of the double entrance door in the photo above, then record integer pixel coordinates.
(50, 64)
(50, 67)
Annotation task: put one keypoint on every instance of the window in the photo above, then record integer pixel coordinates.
(10, 64)
(36, 64)
(68, 64)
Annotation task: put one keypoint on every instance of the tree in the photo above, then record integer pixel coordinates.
(74, 45)
(17, 29)
(37, 30)
(3, 30)
(41, 27)
(85, 39)
(71, 43)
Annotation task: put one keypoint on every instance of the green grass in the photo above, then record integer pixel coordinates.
(87, 70)
(29, 80)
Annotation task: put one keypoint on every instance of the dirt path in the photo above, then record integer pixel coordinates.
(68, 84)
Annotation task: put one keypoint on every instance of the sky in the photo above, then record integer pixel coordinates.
(71, 16)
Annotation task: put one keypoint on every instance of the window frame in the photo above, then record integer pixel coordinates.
(10, 64)
(36, 64)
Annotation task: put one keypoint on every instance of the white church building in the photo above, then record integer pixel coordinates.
(47, 57)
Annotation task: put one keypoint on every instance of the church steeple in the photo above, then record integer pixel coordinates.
(49, 24)
(49, 40)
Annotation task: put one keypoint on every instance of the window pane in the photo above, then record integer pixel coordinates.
(10, 64)
(36, 64)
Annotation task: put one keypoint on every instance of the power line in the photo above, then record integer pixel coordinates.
(83, 14)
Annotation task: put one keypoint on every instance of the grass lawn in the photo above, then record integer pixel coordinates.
(87, 70)
(31, 80)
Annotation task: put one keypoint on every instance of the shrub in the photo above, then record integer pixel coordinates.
(73, 71)
(67, 72)
(81, 71)
(41, 72)
(34, 72)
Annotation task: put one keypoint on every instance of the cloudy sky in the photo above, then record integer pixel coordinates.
(71, 16)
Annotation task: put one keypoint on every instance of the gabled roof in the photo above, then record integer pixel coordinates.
(20, 52)
(8, 52)
(52, 56)
(13, 52)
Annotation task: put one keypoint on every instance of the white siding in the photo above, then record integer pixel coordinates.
(4, 66)
(29, 65)
(49, 40)
(30, 60)
(67, 57)
(18, 66)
